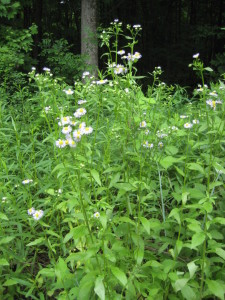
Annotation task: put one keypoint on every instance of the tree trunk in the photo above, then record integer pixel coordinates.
(89, 43)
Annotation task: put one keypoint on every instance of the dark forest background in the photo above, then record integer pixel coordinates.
(173, 30)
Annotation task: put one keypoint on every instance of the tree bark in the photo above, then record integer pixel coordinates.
(89, 43)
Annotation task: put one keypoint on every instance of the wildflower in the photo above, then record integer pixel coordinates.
(60, 143)
(116, 21)
(4, 199)
(160, 144)
(33, 68)
(174, 128)
(102, 81)
(196, 55)
(38, 214)
(82, 125)
(214, 94)
(183, 117)
(77, 135)
(137, 55)
(46, 69)
(126, 90)
(137, 26)
(143, 124)
(85, 74)
(31, 211)
(67, 129)
(146, 132)
(81, 102)
(87, 130)
(147, 145)
(80, 112)
(188, 125)
(73, 123)
(59, 191)
(120, 69)
(47, 108)
(64, 121)
(213, 103)
(195, 121)
(26, 181)
(161, 135)
(121, 52)
(68, 92)
(72, 143)
(96, 215)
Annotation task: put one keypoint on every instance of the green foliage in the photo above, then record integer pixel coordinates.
(58, 56)
(8, 8)
(133, 209)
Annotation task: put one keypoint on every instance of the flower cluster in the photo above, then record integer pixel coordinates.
(36, 214)
(133, 57)
(147, 145)
(73, 135)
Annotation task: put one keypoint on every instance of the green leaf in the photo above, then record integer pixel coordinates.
(6, 240)
(180, 283)
(99, 288)
(10, 282)
(46, 272)
(175, 214)
(216, 288)
(114, 180)
(75, 233)
(96, 177)
(208, 69)
(139, 252)
(3, 217)
(188, 293)
(168, 161)
(3, 262)
(36, 242)
(86, 286)
(197, 239)
(196, 167)
(120, 275)
(146, 224)
(192, 268)
(220, 252)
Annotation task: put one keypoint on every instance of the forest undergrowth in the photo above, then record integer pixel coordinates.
(108, 192)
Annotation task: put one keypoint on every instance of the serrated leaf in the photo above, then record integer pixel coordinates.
(99, 288)
(197, 239)
(120, 275)
(96, 176)
(36, 242)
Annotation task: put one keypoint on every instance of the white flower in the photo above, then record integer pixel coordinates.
(59, 191)
(160, 144)
(147, 145)
(195, 121)
(214, 94)
(86, 74)
(120, 69)
(60, 143)
(174, 128)
(146, 132)
(33, 68)
(81, 102)
(38, 214)
(102, 81)
(47, 108)
(143, 124)
(4, 199)
(80, 112)
(213, 103)
(137, 55)
(188, 125)
(116, 20)
(82, 125)
(121, 52)
(73, 123)
(77, 135)
(67, 129)
(126, 90)
(196, 55)
(26, 181)
(68, 92)
(46, 69)
(96, 215)
(183, 117)
(64, 121)
(31, 211)
(72, 143)
(87, 130)
(137, 26)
